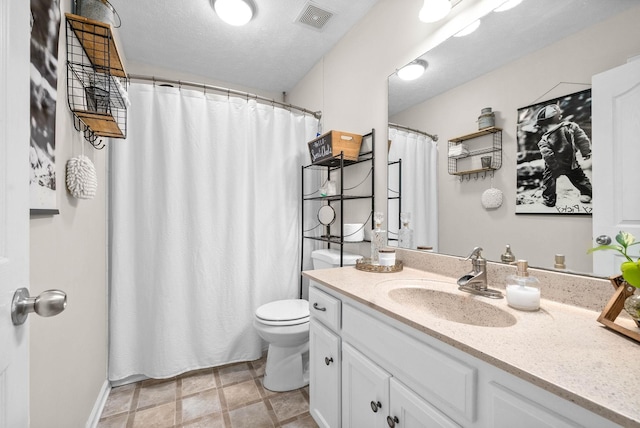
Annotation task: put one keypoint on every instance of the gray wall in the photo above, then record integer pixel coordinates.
(68, 361)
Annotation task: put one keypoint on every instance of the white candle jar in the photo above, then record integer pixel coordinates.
(387, 257)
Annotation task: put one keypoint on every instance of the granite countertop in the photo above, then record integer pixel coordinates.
(561, 348)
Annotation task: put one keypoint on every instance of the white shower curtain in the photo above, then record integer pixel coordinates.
(419, 155)
(204, 227)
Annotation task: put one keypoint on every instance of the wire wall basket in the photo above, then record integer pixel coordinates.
(96, 81)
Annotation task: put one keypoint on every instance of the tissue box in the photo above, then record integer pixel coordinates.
(330, 145)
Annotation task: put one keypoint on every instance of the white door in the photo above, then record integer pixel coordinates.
(14, 208)
(616, 159)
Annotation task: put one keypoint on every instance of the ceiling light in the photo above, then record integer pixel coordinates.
(233, 12)
(468, 29)
(413, 70)
(434, 10)
(509, 4)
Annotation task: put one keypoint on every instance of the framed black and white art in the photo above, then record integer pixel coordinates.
(554, 156)
(45, 29)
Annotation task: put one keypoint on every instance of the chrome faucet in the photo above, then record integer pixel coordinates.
(475, 282)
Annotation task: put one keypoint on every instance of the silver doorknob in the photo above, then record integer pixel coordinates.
(47, 304)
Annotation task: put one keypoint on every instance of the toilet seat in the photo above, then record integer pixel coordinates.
(283, 312)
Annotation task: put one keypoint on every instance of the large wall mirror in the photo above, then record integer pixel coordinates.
(537, 51)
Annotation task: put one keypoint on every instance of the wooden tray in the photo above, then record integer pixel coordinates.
(367, 266)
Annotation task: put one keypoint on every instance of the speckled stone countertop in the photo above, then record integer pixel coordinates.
(561, 348)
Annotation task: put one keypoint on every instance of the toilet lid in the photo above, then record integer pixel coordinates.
(284, 312)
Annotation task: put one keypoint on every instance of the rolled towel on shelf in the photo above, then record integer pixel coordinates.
(458, 151)
(123, 92)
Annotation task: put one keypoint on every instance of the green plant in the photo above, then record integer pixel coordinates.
(630, 269)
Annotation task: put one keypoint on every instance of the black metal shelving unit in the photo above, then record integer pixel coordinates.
(397, 198)
(333, 166)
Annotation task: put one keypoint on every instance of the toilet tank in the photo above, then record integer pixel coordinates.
(330, 258)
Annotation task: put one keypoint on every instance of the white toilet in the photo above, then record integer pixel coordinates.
(284, 324)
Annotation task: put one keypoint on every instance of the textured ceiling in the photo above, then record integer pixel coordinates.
(502, 37)
(271, 53)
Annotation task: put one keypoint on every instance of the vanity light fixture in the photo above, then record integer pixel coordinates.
(434, 10)
(413, 70)
(509, 4)
(234, 12)
(468, 29)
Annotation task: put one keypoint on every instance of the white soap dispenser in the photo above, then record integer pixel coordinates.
(522, 290)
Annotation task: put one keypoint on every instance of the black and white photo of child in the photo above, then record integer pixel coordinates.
(45, 18)
(554, 156)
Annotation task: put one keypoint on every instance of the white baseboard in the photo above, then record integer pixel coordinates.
(94, 418)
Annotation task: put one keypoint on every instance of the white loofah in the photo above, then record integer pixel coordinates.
(492, 198)
(81, 177)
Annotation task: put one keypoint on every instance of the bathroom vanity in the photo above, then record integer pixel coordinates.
(408, 349)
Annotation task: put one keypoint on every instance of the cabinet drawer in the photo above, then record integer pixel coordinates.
(444, 381)
(510, 409)
(325, 308)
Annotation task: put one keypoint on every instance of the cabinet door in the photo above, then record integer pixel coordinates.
(365, 391)
(324, 375)
(408, 410)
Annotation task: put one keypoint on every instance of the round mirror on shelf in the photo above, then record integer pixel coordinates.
(326, 215)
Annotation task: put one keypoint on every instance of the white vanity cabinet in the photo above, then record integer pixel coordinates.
(387, 373)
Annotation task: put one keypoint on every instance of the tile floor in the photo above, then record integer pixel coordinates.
(230, 396)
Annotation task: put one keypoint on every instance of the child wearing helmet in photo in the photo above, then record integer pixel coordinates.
(559, 146)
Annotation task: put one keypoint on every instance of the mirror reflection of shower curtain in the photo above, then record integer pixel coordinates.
(419, 155)
(204, 228)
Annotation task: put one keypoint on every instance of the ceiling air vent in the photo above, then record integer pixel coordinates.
(314, 16)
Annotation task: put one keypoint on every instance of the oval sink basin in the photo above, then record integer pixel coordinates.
(464, 309)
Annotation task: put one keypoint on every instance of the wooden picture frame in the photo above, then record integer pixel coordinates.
(613, 309)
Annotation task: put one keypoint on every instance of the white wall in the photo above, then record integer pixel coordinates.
(68, 361)
(353, 78)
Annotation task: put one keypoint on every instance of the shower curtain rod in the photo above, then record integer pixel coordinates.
(205, 87)
(405, 128)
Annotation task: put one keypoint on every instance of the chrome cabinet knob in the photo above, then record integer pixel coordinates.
(328, 360)
(47, 304)
(392, 421)
(375, 406)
